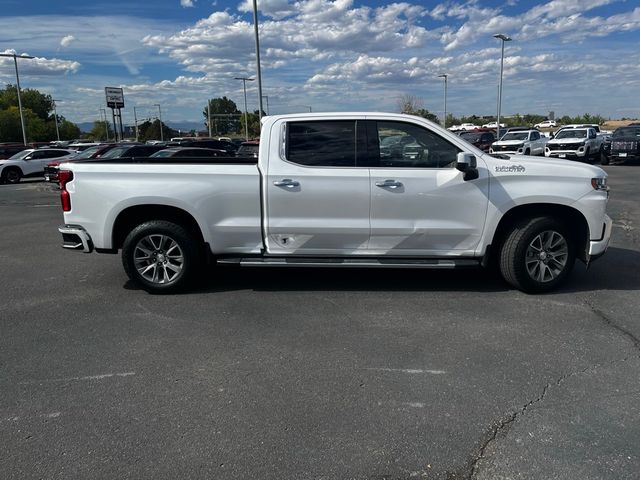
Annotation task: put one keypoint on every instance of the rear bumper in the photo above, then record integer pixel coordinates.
(74, 237)
(598, 247)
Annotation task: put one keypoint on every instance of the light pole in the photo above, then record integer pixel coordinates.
(106, 124)
(209, 116)
(444, 75)
(246, 118)
(160, 119)
(15, 62)
(255, 28)
(504, 39)
(55, 116)
(135, 119)
(267, 97)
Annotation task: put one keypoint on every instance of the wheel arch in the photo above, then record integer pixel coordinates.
(131, 217)
(569, 216)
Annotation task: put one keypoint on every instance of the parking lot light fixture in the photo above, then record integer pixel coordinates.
(445, 76)
(246, 114)
(15, 62)
(504, 38)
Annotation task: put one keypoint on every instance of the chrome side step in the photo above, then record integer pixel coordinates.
(350, 262)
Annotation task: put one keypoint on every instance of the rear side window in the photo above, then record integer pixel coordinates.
(322, 144)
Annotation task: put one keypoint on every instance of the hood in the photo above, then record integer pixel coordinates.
(541, 166)
(509, 142)
(567, 140)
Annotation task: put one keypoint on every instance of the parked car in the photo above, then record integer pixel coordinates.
(462, 127)
(96, 151)
(313, 199)
(188, 152)
(576, 144)
(228, 147)
(625, 144)
(493, 125)
(248, 149)
(546, 124)
(525, 142)
(10, 149)
(30, 163)
(131, 151)
(481, 140)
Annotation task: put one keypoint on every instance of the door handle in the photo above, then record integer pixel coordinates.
(287, 182)
(389, 184)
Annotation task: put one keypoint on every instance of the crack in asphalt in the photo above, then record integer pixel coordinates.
(506, 422)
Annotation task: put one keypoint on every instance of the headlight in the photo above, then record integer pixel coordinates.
(600, 183)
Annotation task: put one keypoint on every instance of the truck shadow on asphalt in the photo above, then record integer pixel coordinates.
(617, 270)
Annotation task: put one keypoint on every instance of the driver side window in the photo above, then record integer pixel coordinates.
(404, 145)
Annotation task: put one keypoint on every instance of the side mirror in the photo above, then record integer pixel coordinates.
(466, 161)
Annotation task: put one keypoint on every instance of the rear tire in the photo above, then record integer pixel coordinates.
(537, 255)
(162, 257)
(11, 175)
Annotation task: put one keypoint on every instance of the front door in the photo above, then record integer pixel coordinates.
(317, 197)
(420, 203)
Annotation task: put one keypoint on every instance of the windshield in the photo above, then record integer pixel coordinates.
(572, 134)
(87, 153)
(115, 152)
(626, 132)
(515, 136)
(470, 136)
(163, 153)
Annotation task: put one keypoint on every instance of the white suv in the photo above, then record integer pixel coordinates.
(30, 163)
(546, 124)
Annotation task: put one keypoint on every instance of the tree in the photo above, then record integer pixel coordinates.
(150, 130)
(409, 104)
(99, 131)
(253, 121)
(33, 100)
(221, 106)
(424, 113)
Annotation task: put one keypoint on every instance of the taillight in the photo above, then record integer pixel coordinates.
(64, 177)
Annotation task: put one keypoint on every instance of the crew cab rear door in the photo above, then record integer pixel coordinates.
(420, 203)
(317, 197)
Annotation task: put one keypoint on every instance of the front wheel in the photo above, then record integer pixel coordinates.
(12, 175)
(537, 255)
(161, 256)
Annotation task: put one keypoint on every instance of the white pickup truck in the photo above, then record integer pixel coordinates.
(525, 142)
(575, 143)
(324, 193)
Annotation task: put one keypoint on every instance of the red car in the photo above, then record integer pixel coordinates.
(479, 139)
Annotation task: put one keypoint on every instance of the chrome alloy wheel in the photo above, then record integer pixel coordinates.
(547, 256)
(158, 258)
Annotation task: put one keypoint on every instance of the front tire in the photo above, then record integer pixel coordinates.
(161, 256)
(537, 255)
(11, 175)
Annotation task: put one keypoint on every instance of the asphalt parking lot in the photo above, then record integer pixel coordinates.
(314, 374)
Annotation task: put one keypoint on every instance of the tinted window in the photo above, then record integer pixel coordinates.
(570, 133)
(535, 136)
(403, 145)
(626, 132)
(322, 144)
(488, 137)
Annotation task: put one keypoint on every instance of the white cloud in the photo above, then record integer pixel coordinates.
(187, 3)
(38, 66)
(67, 40)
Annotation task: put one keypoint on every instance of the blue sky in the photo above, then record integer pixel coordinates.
(570, 56)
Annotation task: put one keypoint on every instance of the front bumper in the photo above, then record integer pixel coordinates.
(598, 247)
(572, 154)
(74, 237)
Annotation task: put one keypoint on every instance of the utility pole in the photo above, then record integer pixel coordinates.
(106, 123)
(209, 116)
(15, 62)
(160, 118)
(55, 115)
(445, 75)
(135, 119)
(246, 118)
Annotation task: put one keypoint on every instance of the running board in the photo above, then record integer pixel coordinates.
(349, 262)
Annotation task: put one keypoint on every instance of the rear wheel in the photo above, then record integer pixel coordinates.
(537, 255)
(604, 160)
(11, 175)
(161, 256)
